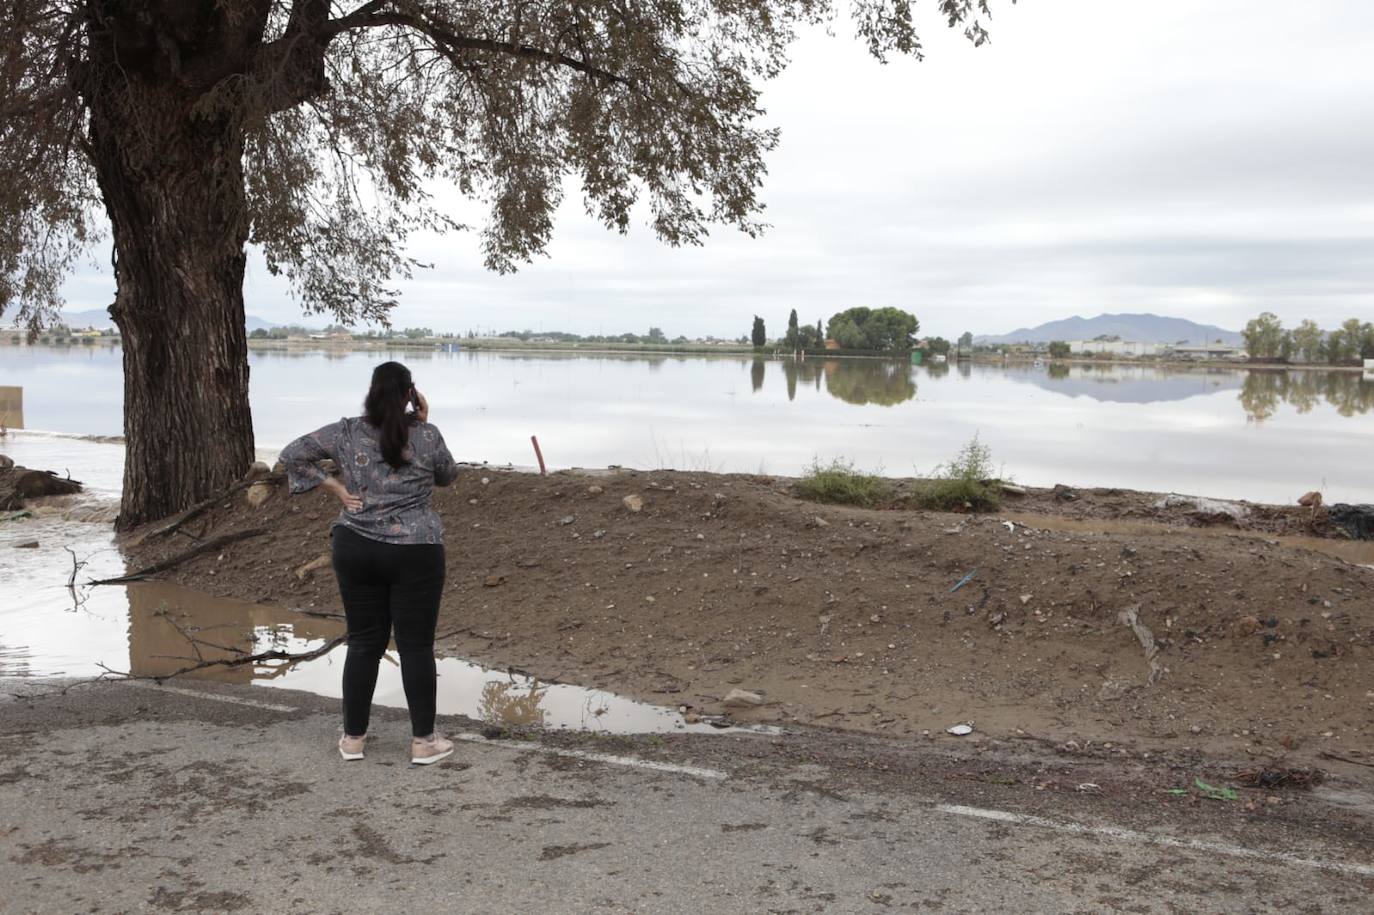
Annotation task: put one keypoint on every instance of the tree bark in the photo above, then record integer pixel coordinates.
(171, 176)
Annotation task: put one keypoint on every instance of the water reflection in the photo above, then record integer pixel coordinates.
(11, 407)
(1133, 426)
(1123, 383)
(870, 381)
(1263, 391)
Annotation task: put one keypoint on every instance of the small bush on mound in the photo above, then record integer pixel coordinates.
(840, 483)
(965, 483)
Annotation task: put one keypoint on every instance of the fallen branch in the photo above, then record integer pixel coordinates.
(206, 547)
(1131, 617)
(1327, 754)
(195, 511)
(274, 654)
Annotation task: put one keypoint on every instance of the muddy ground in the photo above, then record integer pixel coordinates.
(852, 618)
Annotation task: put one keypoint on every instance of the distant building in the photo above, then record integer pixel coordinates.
(1207, 351)
(1115, 348)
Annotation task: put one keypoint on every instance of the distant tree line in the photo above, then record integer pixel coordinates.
(876, 330)
(1267, 340)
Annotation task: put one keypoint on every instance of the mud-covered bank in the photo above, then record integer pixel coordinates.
(857, 619)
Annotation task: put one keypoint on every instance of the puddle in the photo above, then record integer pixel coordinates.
(1356, 552)
(172, 628)
(48, 629)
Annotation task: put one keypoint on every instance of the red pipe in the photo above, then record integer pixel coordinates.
(539, 454)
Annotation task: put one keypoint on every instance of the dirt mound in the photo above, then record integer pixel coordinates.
(898, 621)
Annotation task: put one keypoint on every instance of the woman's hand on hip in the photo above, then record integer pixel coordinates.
(350, 502)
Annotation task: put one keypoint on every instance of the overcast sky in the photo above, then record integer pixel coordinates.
(1200, 159)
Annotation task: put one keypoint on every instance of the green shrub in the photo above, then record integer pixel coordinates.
(840, 483)
(967, 482)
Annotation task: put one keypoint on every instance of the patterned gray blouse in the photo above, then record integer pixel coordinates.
(396, 503)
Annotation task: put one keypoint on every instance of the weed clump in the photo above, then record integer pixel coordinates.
(967, 483)
(840, 483)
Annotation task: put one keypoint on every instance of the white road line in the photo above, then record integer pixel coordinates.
(630, 761)
(1149, 838)
(215, 697)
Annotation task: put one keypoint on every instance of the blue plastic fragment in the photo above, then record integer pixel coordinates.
(963, 581)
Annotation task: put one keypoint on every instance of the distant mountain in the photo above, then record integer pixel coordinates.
(1145, 328)
(99, 318)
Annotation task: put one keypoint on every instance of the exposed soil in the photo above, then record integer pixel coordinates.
(850, 618)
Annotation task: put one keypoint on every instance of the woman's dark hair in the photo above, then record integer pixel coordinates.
(385, 410)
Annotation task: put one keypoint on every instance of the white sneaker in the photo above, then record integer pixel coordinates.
(351, 747)
(425, 751)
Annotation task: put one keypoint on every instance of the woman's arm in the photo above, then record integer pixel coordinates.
(303, 471)
(445, 467)
(303, 456)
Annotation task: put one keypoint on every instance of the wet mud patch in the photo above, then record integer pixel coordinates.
(554, 852)
(545, 802)
(60, 853)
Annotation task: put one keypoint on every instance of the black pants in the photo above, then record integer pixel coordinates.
(386, 585)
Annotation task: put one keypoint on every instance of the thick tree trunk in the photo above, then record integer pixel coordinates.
(172, 181)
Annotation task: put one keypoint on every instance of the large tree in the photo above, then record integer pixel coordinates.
(317, 131)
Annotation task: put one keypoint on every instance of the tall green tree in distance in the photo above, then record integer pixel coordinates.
(318, 130)
(880, 329)
(966, 340)
(1264, 337)
(1307, 341)
(1059, 350)
(791, 339)
(758, 336)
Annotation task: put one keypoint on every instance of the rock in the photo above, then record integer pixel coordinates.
(595, 490)
(1112, 690)
(1246, 625)
(1012, 489)
(1210, 508)
(1311, 499)
(1063, 493)
(820, 522)
(319, 562)
(257, 471)
(494, 581)
(567, 519)
(279, 467)
(1356, 521)
(6, 462)
(27, 545)
(1026, 599)
(742, 698)
(633, 503)
(259, 493)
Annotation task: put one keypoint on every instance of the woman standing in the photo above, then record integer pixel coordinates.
(388, 546)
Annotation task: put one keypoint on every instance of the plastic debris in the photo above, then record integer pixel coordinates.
(960, 730)
(1214, 793)
(963, 581)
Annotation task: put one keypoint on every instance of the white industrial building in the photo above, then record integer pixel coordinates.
(1115, 347)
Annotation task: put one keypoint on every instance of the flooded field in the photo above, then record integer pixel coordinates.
(1264, 436)
(1226, 433)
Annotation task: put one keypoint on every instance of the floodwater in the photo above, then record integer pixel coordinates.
(1226, 433)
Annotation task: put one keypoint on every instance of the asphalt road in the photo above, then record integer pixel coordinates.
(125, 797)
